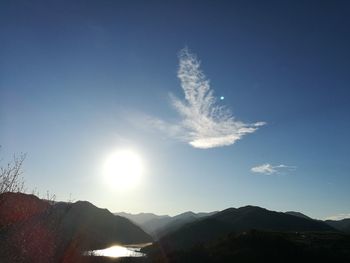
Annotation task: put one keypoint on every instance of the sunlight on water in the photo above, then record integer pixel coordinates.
(116, 252)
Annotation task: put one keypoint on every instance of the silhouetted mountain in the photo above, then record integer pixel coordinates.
(178, 221)
(18, 207)
(341, 225)
(151, 227)
(97, 224)
(238, 220)
(32, 230)
(158, 226)
(261, 246)
(298, 214)
(205, 214)
(142, 218)
(149, 222)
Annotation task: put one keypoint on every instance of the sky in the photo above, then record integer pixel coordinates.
(228, 103)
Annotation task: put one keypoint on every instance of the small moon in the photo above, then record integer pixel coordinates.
(222, 98)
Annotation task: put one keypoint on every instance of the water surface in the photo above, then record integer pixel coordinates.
(117, 252)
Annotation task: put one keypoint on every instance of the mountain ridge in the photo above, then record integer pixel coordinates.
(238, 220)
(33, 230)
(342, 225)
(159, 225)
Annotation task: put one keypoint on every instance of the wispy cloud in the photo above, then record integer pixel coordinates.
(339, 216)
(204, 123)
(269, 169)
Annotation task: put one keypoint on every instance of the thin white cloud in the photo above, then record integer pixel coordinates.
(204, 123)
(269, 169)
(339, 216)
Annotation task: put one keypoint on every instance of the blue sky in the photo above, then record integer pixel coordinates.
(79, 79)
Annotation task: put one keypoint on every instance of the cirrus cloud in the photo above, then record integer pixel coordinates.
(203, 122)
(269, 169)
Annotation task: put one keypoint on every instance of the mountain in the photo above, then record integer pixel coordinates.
(33, 230)
(341, 225)
(142, 218)
(152, 226)
(158, 226)
(178, 221)
(149, 222)
(262, 246)
(17, 207)
(237, 220)
(298, 214)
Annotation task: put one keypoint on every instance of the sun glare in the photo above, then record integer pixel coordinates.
(123, 169)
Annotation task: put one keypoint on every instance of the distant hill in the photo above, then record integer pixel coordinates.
(293, 213)
(149, 222)
(341, 225)
(142, 218)
(158, 226)
(178, 221)
(32, 230)
(152, 226)
(238, 220)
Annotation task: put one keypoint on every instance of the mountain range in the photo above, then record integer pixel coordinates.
(237, 220)
(33, 230)
(159, 225)
(253, 234)
(341, 225)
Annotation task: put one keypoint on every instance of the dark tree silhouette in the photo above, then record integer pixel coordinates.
(10, 175)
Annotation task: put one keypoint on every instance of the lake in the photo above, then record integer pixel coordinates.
(118, 251)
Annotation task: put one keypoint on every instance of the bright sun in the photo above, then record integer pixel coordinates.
(123, 169)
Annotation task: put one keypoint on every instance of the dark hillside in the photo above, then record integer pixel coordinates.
(238, 220)
(32, 230)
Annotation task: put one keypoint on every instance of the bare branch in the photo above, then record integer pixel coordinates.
(10, 175)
